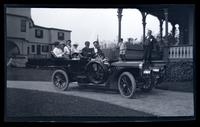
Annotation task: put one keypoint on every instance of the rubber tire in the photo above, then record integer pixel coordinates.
(105, 68)
(133, 83)
(66, 78)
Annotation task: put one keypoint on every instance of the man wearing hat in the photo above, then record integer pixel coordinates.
(148, 46)
(75, 52)
(87, 52)
(75, 48)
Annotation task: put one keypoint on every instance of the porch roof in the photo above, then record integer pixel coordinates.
(177, 13)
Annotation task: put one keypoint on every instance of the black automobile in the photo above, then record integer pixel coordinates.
(125, 76)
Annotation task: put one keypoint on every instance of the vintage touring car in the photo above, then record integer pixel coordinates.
(125, 76)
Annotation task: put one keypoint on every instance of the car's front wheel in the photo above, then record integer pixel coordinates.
(60, 80)
(126, 85)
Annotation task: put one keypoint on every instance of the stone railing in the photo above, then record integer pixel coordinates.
(181, 52)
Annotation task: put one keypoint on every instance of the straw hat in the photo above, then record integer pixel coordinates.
(76, 44)
(62, 43)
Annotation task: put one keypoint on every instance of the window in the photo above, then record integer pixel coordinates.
(45, 48)
(33, 48)
(61, 36)
(23, 25)
(39, 33)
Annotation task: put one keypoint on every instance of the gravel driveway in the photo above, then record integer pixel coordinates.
(157, 102)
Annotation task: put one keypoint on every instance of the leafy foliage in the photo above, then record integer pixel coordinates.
(136, 46)
(179, 71)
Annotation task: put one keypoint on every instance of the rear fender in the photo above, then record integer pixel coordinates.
(70, 76)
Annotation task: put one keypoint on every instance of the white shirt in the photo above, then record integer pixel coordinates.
(75, 50)
(67, 50)
(122, 47)
(58, 52)
(95, 50)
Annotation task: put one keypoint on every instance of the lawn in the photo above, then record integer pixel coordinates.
(29, 74)
(30, 103)
(177, 86)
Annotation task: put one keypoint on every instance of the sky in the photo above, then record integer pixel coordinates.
(87, 24)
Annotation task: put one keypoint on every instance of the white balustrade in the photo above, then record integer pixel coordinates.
(181, 52)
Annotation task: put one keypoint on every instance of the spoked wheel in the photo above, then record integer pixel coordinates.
(148, 85)
(96, 72)
(60, 80)
(126, 85)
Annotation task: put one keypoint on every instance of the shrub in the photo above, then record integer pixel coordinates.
(179, 71)
(135, 46)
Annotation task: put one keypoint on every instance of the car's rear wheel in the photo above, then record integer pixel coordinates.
(60, 80)
(126, 85)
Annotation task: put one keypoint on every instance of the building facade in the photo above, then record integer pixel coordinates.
(24, 38)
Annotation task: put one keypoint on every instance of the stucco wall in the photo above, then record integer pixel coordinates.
(13, 27)
(21, 44)
(54, 35)
(33, 38)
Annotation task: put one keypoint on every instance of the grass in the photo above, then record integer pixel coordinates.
(177, 86)
(29, 74)
(28, 103)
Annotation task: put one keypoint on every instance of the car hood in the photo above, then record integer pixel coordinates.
(127, 63)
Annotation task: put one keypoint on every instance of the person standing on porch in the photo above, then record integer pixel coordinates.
(122, 50)
(148, 46)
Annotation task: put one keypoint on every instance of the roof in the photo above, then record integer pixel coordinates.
(38, 25)
(174, 10)
(51, 28)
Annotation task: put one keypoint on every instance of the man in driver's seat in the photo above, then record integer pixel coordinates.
(97, 50)
(99, 55)
(87, 52)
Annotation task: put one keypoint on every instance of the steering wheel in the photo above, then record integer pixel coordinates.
(75, 55)
(97, 72)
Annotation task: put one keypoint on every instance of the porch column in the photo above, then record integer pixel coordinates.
(173, 30)
(161, 29)
(166, 47)
(119, 25)
(144, 15)
(191, 26)
(181, 33)
(166, 21)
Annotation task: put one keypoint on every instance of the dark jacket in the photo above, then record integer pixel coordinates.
(88, 52)
(100, 53)
(149, 41)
